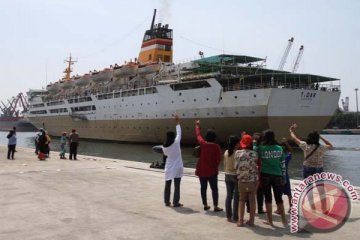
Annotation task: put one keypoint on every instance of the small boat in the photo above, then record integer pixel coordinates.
(66, 83)
(81, 81)
(52, 87)
(125, 70)
(148, 68)
(102, 76)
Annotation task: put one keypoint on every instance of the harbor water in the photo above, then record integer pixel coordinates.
(344, 159)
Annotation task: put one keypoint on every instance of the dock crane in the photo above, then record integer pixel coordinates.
(297, 61)
(286, 54)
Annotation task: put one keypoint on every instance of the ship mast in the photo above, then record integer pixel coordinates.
(68, 70)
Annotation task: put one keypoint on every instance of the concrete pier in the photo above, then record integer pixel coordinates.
(98, 198)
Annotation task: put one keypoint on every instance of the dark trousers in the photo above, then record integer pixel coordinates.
(167, 191)
(260, 198)
(11, 151)
(232, 197)
(214, 189)
(73, 150)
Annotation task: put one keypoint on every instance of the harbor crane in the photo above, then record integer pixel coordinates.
(286, 54)
(297, 61)
(10, 110)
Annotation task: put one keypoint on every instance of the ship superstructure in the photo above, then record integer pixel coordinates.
(136, 101)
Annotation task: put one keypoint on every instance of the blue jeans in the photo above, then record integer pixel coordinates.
(308, 171)
(232, 196)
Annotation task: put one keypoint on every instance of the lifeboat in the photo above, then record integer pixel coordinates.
(66, 83)
(81, 81)
(102, 76)
(148, 68)
(125, 70)
(52, 87)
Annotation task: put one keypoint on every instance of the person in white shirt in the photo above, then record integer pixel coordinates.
(174, 165)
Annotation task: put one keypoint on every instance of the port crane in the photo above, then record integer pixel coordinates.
(11, 108)
(286, 54)
(297, 61)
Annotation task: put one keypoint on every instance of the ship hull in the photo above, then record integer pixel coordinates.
(154, 130)
(147, 118)
(20, 124)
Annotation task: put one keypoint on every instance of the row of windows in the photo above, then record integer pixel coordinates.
(61, 102)
(38, 105)
(83, 108)
(81, 99)
(38, 112)
(58, 110)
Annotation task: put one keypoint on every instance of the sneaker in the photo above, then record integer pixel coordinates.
(178, 205)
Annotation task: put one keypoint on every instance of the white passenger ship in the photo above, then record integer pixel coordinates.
(135, 102)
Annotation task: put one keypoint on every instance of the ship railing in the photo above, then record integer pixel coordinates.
(321, 87)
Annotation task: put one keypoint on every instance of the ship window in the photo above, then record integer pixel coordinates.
(190, 85)
(38, 112)
(150, 56)
(167, 59)
(38, 105)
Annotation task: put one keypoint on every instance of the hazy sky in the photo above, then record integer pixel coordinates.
(37, 35)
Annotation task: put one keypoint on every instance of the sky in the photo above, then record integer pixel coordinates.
(37, 36)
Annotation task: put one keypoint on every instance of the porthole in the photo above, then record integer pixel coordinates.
(237, 113)
(194, 100)
(235, 97)
(183, 100)
(180, 93)
(207, 99)
(255, 95)
(183, 114)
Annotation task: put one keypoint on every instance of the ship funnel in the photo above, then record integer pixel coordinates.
(153, 20)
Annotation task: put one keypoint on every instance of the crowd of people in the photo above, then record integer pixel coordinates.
(42, 144)
(255, 166)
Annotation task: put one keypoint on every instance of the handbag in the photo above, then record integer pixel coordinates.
(196, 151)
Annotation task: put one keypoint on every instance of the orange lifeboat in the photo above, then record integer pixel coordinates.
(125, 70)
(148, 68)
(52, 87)
(81, 81)
(102, 76)
(66, 83)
